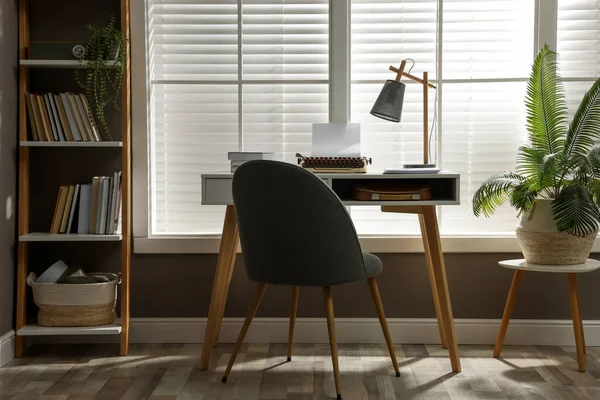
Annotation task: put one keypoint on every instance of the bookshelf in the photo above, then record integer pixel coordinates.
(27, 184)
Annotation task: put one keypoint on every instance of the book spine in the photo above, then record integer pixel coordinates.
(31, 117)
(67, 209)
(64, 122)
(51, 118)
(77, 115)
(90, 117)
(105, 199)
(61, 134)
(70, 117)
(94, 204)
(85, 199)
(84, 118)
(45, 119)
(37, 115)
(73, 209)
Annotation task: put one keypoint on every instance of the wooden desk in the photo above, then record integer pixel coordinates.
(216, 190)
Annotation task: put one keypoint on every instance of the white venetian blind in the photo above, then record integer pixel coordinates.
(382, 34)
(578, 38)
(212, 93)
(487, 50)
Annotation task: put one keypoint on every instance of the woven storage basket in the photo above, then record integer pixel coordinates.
(89, 304)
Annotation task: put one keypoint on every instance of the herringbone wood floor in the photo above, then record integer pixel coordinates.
(169, 372)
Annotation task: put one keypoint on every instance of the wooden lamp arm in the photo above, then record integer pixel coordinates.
(400, 72)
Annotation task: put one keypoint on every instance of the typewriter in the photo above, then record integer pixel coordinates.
(334, 164)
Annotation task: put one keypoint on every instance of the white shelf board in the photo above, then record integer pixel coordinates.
(59, 63)
(70, 144)
(71, 237)
(36, 330)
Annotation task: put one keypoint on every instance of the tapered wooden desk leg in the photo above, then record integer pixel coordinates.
(439, 273)
(576, 313)
(223, 273)
(434, 291)
(508, 309)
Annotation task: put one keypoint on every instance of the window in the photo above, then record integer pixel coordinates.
(226, 79)
(255, 74)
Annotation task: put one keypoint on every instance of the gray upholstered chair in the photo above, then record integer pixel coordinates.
(297, 232)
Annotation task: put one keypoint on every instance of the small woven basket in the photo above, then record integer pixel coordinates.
(89, 304)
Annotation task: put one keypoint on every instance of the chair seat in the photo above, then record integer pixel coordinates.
(373, 265)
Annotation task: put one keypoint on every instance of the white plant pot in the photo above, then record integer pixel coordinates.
(542, 243)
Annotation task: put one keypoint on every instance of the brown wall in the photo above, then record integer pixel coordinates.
(179, 286)
(8, 154)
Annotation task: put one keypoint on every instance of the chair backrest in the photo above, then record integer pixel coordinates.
(294, 230)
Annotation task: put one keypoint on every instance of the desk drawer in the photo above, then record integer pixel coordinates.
(217, 191)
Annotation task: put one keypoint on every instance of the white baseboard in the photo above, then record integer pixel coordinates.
(351, 330)
(7, 347)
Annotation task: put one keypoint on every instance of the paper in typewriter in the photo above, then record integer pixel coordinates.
(336, 140)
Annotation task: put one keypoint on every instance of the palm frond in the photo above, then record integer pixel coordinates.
(537, 167)
(523, 197)
(585, 127)
(575, 211)
(494, 192)
(546, 105)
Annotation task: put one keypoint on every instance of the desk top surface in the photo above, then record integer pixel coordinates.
(370, 174)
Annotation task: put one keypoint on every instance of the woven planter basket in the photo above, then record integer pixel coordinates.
(542, 243)
(90, 304)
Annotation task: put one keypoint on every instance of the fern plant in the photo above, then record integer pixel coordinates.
(560, 161)
(102, 81)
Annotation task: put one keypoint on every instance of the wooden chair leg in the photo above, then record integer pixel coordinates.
(576, 314)
(251, 313)
(508, 309)
(581, 324)
(293, 312)
(332, 338)
(383, 322)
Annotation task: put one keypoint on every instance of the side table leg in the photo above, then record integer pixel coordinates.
(577, 326)
(223, 273)
(508, 309)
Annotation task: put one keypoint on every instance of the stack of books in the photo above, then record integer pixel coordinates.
(237, 158)
(63, 117)
(89, 208)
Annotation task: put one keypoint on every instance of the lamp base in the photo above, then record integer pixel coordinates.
(418, 166)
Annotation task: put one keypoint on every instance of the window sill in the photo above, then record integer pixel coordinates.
(373, 244)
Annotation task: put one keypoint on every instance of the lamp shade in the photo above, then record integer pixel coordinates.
(388, 105)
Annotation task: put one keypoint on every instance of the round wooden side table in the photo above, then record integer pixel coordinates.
(571, 270)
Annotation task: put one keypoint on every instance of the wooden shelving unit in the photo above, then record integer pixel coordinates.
(25, 237)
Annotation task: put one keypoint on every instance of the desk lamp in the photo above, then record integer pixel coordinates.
(388, 106)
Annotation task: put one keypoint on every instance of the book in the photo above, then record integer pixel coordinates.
(117, 213)
(67, 209)
(73, 209)
(103, 205)
(51, 117)
(37, 116)
(61, 134)
(110, 222)
(84, 118)
(72, 123)
(94, 203)
(85, 199)
(90, 117)
(30, 116)
(77, 115)
(45, 119)
(233, 168)
(250, 155)
(64, 121)
(59, 210)
(237, 163)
